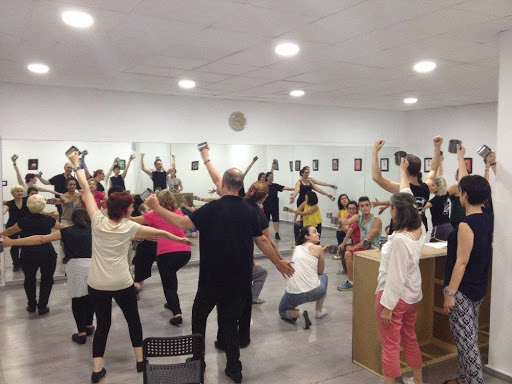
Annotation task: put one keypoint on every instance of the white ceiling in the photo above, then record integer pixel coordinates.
(354, 53)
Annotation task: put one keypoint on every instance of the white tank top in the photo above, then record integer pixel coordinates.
(305, 277)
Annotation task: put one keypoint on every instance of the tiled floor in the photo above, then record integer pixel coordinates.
(39, 349)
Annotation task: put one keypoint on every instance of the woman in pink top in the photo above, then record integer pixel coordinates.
(171, 255)
(99, 197)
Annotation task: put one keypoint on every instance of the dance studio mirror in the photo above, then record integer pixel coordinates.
(347, 167)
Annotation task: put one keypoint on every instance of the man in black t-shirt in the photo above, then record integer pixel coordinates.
(228, 228)
(59, 182)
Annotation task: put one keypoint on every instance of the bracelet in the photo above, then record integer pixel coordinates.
(207, 161)
(447, 292)
(486, 169)
(493, 163)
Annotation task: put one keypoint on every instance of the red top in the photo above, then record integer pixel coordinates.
(356, 235)
(98, 196)
(165, 245)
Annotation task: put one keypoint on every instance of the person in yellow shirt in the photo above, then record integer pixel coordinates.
(310, 212)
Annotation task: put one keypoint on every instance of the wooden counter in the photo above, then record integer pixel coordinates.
(432, 326)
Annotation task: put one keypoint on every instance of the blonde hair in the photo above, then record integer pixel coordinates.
(36, 203)
(442, 188)
(16, 187)
(167, 200)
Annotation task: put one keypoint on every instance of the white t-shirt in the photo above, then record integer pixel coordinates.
(110, 270)
(305, 278)
(173, 183)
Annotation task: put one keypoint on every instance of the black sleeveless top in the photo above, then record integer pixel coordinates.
(118, 180)
(304, 189)
(421, 194)
(159, 180)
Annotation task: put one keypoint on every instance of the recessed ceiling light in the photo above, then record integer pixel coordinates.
(410, 100)
(297, 93)
(77, 19)
(38, 68)
(287, 49)
(424, 66)
(187, 84)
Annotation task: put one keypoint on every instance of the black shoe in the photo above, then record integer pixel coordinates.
(219, 345)
(43, 311)
(277, 236)
(89, 330)
(65, 260)
(166, 306)
(307, 322)
(140, 366)
(235, 376)
(79, 339)
(31, 308)
(176, 321)
(245, 344)
(97, 376)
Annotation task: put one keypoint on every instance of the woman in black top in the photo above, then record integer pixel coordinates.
(271, 203)
(466, 275)
(440, 209)
(17, 208)
(118, 179)
(78, 241)
(41, 256)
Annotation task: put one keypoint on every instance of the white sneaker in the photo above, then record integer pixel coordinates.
(320, 314)
(408, 380)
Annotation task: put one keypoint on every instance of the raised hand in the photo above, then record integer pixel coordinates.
(74, 157)
(378, 145)
(438, 140)
(152, 202)
(461, 150)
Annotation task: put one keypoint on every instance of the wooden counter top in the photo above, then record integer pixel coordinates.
(427, 252)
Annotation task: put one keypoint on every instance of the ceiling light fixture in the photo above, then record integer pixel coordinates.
(287, 49)
(410, 100)
(77, 19)
(425, 66)
(187, 84)
(38, 68)
(297, 93)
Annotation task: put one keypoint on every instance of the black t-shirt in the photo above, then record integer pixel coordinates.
(474, 281)
(118, 180)
(241, 192)
(260, 216)
(100, 187)
(16, 213)
(59, 182)
(272, 199)
(159, 180)
(440, 210)
(37, 224)
(227, 228)
(78, 241)
(421, 194)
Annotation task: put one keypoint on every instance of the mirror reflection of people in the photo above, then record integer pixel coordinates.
(271, 203)
(158, 176)
(30, 180)
(304, 185)
(59, 182)
(175, 185)
(310, 214)
(440, 210)
(118, 178)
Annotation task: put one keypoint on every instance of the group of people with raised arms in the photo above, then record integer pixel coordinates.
(97, 240)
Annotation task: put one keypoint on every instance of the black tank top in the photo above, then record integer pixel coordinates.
(421, 194)
(304, 189)
(118, 180)
(159, 180)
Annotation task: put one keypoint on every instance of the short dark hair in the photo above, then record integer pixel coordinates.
(156, 161)
(407, 215)
(31, 189)
(80, 218)
(312, 198)
(115, 188)
(352, 202)
(261, 174)
(118, 204)
(304, 231)
(97, 172)
(233, 178)
(301, 172)
(363, 198)
(267, 175)
(476, 187)
(340, 206)
(116, 167)
(414, 164)
(29, 176)
(70, 180)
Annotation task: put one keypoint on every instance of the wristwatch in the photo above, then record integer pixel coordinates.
(76, 169)
(447, 292)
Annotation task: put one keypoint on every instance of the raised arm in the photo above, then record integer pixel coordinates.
(321, 191)
(436, 161)
(18, 175)
(84, 165)
(173, 163)
(43, 180)
(142, 167)
(383, 182)
(214, 174)
(463, 171)
(87, 196)
(123, 175)
(404, 179)
(490, 163)
(255, 159)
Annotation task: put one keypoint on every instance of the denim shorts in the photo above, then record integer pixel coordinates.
(293, 300)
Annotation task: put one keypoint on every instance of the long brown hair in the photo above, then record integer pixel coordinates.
(407, 216)
(167, 200)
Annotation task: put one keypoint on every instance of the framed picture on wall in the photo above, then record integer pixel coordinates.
(469, 164)
(195, 165)
(297, 165)
(291, 166)
(335, 164)
(358, 165)
(427, 164)
(33, 164)
(315, 165)
(384, 165)
(275, 165)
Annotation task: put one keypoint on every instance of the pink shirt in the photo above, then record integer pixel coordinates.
(165, 245)
(98, 196)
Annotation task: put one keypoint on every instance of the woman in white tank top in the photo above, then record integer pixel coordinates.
(309, 282)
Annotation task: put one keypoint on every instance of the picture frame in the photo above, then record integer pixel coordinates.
(384, 164)
(427, 164)
(335, 164)
(297, 165)
(469, 164)
(33, 164)
(275, 165)
(315, 165)
(291, 166)
(194, 166)
(358, 165)
(122, 164)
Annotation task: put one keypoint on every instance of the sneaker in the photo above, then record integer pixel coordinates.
(307, 322)
(278, 237)
(97, 376)
(408, 380)
(79, 339)
(321, 314)
(258, 300)
(347, 286)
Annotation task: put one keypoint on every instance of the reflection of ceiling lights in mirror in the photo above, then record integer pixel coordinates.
(410, 100)
(424, 66)
(187, 84)
(38, 68)
(287, 49)
(77, 19)
(297, 93)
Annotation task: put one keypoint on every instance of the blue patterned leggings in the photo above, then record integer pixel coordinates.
(464, 326)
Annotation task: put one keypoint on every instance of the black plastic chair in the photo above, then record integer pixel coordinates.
(189, 372)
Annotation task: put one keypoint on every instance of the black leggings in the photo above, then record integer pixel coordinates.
(168, 264)
(102, 301)
(15, 253)
(83, 312)
(30, 264)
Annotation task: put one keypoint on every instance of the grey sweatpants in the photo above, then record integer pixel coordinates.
(259, 275)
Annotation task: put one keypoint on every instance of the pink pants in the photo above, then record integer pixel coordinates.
(400, 330)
